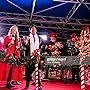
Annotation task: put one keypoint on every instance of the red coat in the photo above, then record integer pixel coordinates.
(1, 46)
(9, 49)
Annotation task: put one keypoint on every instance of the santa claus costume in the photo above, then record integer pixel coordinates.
(12, 48)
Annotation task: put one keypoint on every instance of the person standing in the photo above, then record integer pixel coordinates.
(12, 49)
(34, 45)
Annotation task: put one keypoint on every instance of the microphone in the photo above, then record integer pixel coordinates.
(13, 37)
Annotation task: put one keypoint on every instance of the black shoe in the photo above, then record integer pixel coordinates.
(15, 83)
(9, 86)
(33, 83)
(39, 88)
(26, 87)
(65, 81)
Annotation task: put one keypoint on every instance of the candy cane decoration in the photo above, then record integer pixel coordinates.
(82, 74)
(83, 44)
(37, 79)
(36, 76)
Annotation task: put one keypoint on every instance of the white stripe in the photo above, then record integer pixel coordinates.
(37, 88)
(82, 69)
(37, 85)
(36, 77)
(36, 81)
(36, 65)
(82, 73)
(83, 87)
(36, 69)
(81, 66)
(82, 82)
(82, 78)
(36, 73)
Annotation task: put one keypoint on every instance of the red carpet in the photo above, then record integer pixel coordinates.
(46, 85)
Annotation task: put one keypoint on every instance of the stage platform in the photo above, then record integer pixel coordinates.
(46, 85)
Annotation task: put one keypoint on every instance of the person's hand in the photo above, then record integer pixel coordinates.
(12, 42)
(17, 47)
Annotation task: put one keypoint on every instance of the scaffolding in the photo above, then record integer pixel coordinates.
(61, 25)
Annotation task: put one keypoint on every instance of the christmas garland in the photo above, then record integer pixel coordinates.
(20, 61)
(2, 55)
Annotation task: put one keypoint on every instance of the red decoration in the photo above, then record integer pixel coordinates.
(36, 54)
(83, 44)
(74, 37)
(53, 35)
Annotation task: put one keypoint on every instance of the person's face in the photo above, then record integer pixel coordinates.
(13, 31)
(34, 30)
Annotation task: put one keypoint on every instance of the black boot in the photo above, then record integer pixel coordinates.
(27, 85)
(8, 85)
(33, 83)
(65, 81)
(39, 88)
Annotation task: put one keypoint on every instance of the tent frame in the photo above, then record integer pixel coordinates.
(60, 25)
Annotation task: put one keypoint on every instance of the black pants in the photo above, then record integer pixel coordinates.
(8, 85)
(29, 70)
(75, 73)
(47, 68)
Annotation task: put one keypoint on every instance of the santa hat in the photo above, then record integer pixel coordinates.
(53, 35)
